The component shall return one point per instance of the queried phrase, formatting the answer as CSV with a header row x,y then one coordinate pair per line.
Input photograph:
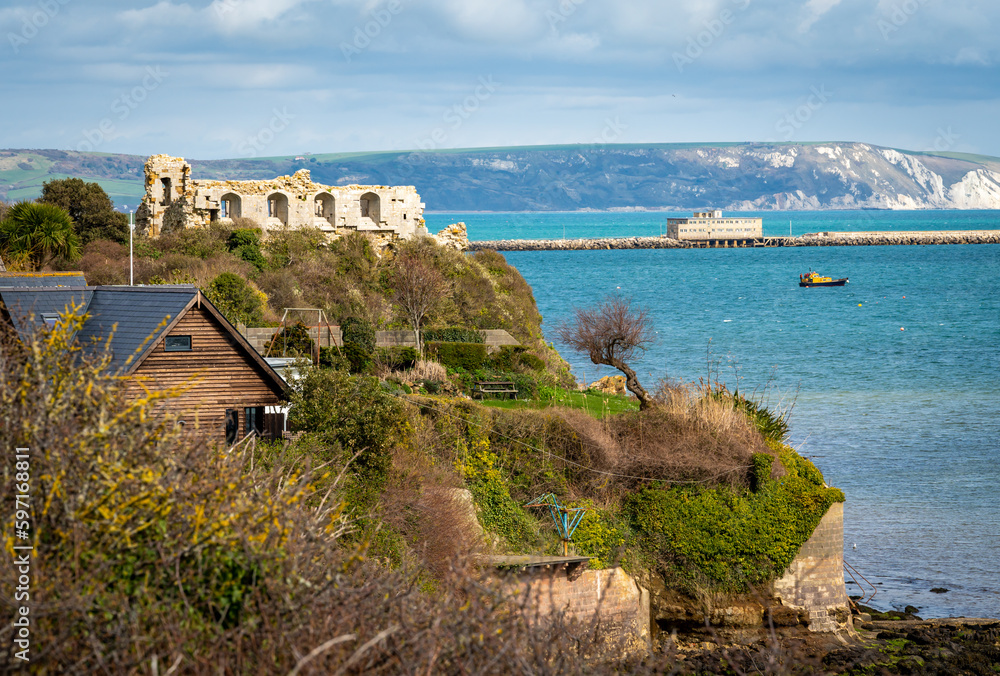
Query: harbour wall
x,y
812,239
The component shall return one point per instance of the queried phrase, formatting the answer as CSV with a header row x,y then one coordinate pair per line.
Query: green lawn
x,y
591,401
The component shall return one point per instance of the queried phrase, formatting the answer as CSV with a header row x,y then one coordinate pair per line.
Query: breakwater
x,y
885,238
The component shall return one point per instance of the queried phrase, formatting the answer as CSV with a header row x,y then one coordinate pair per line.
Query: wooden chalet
x,y
161,336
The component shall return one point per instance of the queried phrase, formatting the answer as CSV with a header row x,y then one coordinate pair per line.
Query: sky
x,y
253,78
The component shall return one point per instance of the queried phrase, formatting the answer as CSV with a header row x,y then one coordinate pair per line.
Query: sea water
x,y
895,378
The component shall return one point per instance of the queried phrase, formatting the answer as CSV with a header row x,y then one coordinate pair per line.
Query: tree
x,y
417,288
611,334
38,233
89,206
236,299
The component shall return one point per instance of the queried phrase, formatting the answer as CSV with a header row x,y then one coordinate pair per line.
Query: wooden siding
x,y
224,376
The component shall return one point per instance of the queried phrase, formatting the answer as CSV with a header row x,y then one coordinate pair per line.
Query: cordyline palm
x,y
39,232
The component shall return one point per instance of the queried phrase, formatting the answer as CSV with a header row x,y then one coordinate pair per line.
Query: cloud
x,y
815,9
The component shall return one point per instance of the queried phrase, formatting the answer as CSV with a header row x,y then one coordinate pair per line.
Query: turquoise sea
x,y
895,378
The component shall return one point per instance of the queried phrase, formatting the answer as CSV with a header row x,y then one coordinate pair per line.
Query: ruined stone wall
x,y
611,597
815,581
174,201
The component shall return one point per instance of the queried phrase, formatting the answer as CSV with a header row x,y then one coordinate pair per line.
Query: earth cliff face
x,y
747,176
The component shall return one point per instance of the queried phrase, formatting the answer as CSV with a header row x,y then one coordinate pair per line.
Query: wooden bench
x,y
484,387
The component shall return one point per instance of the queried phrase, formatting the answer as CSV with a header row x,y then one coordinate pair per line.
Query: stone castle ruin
x,y
174,201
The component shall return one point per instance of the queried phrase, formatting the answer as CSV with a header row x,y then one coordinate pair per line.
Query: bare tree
x,y
612,333
417,288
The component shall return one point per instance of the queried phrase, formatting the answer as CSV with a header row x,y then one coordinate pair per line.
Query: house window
x,y
50,318
177,344
254,420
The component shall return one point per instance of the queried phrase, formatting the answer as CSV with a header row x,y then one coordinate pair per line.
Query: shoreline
x,y
885,238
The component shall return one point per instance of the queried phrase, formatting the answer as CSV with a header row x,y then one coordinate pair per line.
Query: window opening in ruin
x,y
364,207
230,203
167,190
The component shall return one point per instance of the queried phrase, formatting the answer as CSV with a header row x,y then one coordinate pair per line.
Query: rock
x,y
610,385
454,236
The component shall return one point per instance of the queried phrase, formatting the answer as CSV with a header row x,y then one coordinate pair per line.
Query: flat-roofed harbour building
x,y
712,226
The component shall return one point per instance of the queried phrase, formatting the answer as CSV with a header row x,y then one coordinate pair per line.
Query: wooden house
x,y
160,337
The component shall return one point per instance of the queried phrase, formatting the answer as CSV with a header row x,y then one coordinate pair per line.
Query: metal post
x,y
131,230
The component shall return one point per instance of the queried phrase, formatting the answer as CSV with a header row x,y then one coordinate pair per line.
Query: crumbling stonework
x,y
175,201
454,236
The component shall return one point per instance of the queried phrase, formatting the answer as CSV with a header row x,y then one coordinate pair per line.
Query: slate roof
x,y
27,307
134,317
30,280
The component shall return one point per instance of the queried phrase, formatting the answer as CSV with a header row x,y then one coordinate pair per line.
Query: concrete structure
x,y
711,225
814,583
545,585
174,201
260,336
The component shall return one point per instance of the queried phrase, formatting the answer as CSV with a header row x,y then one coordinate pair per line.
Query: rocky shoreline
x,y
812,239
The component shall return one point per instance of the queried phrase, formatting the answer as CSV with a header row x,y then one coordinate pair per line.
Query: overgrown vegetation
x,y
355,540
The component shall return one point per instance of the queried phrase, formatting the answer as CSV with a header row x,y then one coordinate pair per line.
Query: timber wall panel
x,y
220,375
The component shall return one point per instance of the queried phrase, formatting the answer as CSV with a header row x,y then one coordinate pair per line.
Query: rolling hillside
x,y
748,176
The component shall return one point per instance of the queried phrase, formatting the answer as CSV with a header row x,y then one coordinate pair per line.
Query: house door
x,y
232,425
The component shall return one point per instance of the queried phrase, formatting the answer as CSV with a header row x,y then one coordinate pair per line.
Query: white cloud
x,y
815,9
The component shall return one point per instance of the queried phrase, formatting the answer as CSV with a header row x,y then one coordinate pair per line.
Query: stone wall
x,y
815,239
258,337
175,201
610,597
815,581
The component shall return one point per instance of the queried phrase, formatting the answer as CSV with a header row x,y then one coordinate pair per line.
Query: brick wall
x,y
610,597
815,580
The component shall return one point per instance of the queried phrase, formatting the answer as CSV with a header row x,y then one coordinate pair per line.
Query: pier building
x,y
713,226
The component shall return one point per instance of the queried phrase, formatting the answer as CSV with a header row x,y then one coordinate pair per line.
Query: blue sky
x,y
241,78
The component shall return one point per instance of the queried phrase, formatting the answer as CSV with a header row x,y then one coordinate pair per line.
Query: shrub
x,y
735,540
236,299
293,340
359,359
357,417
532,362
397,358
506,358
201,243
333,358
245,243
465,356
453,335
360,332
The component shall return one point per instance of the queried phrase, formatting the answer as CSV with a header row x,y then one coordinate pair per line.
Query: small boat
x,y
814,279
